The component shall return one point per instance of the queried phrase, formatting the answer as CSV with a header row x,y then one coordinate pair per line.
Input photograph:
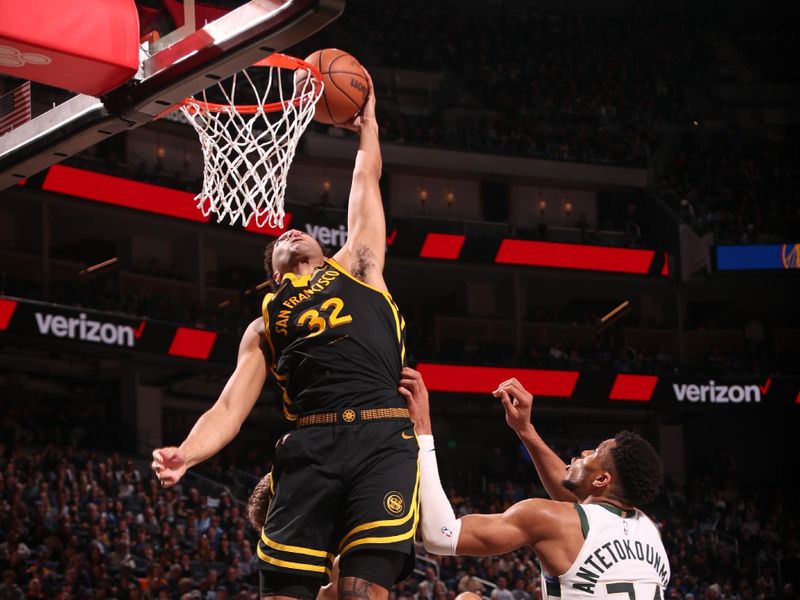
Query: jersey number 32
x,y
329,315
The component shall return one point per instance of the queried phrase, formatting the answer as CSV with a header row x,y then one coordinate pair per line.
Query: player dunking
x,y
594,543
345,482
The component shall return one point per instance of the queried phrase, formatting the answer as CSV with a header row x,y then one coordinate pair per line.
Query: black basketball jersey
x,y
335,342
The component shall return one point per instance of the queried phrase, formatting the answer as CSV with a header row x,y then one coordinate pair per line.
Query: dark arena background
x,y
600,199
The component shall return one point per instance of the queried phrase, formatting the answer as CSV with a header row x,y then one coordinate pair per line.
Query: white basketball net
x,y
248,149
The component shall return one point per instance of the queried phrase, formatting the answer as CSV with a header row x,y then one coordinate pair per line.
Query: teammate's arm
x,y
517,402
364,252
219,424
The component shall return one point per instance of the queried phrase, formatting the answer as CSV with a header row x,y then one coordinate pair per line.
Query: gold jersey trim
x,y
287,564
295,549
297,280
265,315
383,540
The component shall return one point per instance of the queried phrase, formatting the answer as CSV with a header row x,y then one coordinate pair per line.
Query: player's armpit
x,y
524,524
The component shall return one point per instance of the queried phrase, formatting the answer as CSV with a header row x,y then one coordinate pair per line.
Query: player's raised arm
x,y
526,523
517,402
365,250
219,424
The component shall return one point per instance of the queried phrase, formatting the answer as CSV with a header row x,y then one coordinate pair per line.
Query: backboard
x,y
180,65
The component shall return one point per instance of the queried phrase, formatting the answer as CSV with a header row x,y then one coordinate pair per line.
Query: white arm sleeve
x,y
440,528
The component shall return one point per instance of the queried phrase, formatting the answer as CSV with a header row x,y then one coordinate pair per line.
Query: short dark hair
x,y
638,468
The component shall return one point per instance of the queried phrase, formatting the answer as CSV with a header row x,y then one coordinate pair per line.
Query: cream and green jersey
x,y
622,558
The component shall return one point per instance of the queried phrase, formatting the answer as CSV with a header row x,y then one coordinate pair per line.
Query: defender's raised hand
x,y
517,402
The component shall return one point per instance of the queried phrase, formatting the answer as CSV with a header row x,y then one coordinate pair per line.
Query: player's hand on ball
x,y
169,465
367,114
413,389
517,402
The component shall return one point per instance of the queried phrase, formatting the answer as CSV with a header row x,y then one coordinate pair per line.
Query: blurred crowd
x,y
75,524
560,85
570,85
741,188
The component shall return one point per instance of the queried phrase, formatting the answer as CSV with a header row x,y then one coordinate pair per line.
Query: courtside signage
x,y
104,332
328,236
594,388
87,330
580,256
758,257
717,393
37,320
332,232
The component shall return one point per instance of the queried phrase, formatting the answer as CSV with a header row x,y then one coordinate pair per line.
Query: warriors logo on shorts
x,y
394,503
349,415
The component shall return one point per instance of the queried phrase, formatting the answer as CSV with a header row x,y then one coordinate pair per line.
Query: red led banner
x,y
638,388
7,308
484,380
136,195
266,229
442,245
574,256
192,343
122,192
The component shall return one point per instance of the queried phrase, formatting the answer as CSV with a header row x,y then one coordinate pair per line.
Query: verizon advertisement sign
x,y
53,323
329,236
39,323
718,393
88,330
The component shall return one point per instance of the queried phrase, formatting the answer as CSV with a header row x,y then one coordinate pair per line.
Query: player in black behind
x,y
346,480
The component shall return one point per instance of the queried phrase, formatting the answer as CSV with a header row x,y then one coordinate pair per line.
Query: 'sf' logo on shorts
x,y
393,503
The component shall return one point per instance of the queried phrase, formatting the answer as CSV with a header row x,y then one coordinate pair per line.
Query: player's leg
x,y
293,550
381,509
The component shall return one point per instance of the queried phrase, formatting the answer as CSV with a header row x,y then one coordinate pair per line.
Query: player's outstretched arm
x,y
365,250
526,523
517,402
219,424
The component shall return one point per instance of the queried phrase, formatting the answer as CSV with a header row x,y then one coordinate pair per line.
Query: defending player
x,y
600,547
345,482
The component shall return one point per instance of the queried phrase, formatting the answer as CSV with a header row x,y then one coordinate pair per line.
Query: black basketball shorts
x,y
341,488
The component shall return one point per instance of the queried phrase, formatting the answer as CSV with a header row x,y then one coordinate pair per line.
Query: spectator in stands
x,y
9,590
501,592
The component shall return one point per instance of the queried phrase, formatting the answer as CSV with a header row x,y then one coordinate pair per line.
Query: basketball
x,y
346,86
